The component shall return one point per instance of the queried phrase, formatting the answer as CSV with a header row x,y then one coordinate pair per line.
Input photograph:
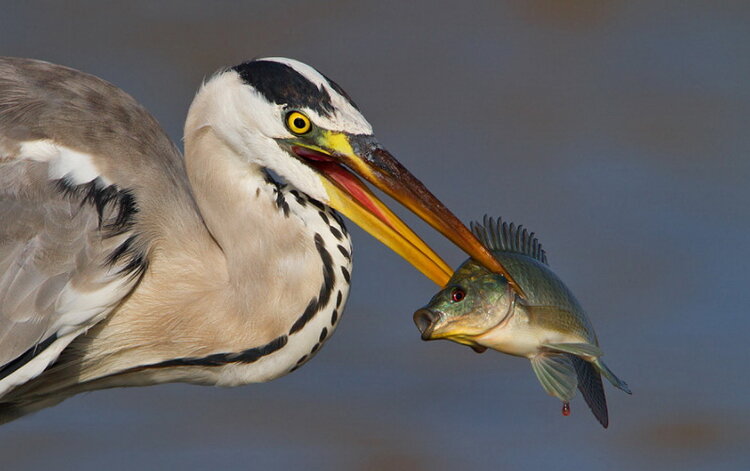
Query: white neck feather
x,y
269,257
273,250
249,125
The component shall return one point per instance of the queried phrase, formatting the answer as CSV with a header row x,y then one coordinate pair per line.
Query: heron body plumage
x,y
213,317
124,264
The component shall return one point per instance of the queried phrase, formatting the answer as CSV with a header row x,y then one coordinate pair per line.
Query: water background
x,y
618,131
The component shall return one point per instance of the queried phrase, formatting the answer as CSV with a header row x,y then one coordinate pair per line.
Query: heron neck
x,y
258,240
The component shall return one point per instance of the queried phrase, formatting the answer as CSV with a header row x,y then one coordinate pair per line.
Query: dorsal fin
x,y
504,237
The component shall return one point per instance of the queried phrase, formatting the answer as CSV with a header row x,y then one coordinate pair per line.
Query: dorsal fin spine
x,y
502,236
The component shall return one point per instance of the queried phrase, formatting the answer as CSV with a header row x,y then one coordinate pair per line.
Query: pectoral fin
x,y
556,373
585,350
590,385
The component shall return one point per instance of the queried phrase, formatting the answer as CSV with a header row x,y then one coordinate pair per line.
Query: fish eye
x,y
457,295
298,123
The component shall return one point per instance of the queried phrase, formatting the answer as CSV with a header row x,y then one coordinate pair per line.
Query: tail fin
x,y
590,385
617,382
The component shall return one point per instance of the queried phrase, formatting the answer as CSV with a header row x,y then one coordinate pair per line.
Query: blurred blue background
x,y
616,130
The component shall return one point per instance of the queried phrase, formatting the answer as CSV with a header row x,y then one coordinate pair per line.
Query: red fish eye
x,y
458,295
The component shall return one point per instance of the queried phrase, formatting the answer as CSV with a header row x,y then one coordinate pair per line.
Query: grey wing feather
x,y
68,249
56,276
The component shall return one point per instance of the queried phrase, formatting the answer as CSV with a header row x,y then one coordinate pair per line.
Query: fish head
x,y
474,301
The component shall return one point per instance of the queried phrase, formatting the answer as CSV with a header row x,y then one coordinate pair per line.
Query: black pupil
x,y
458,295
299,123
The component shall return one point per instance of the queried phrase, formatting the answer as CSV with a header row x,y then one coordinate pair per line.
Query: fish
x,y
548,326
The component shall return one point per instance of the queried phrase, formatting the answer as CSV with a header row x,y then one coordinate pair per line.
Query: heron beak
x,y
348,195
365,157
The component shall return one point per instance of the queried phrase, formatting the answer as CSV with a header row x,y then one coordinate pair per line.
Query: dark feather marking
x,y
13,365
251,355
136,266
324,217
334,316
344,252
124,208
340,220
283,85
315,348
278,189
336,233
329,278
100,196
310,311
136,260
281,200
347,276
120,251
281,203
300,199
299,363
339,298
323,334
317,204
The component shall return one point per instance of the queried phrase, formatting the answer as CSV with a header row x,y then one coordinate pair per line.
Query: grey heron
x,y
124,264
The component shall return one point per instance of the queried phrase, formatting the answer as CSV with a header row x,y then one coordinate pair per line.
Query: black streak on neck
x,y
278,190
329,278
250,355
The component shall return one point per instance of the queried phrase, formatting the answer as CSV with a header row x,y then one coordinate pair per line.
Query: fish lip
x,y
425,320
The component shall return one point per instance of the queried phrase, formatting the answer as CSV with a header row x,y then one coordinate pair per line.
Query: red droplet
x,y
566,409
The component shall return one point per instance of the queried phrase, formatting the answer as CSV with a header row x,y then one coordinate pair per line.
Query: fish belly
x,y
522,342
523,338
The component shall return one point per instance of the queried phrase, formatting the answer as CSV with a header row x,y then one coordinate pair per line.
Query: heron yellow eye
x,y
298,123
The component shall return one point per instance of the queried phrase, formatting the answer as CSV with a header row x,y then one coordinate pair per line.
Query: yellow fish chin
x,y
456,336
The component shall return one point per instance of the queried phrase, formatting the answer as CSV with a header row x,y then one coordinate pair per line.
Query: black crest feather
x,y
281,84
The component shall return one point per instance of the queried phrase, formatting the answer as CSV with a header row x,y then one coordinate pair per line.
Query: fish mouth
x,y
425,320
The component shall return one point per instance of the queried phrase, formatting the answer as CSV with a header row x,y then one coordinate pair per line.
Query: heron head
x,y
286,116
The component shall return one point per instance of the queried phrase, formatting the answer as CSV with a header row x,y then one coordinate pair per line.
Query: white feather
x,y
249,125
76,308
39,363
301,343
77,167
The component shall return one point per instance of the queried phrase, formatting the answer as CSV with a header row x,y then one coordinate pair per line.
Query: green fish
x,y
478,308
